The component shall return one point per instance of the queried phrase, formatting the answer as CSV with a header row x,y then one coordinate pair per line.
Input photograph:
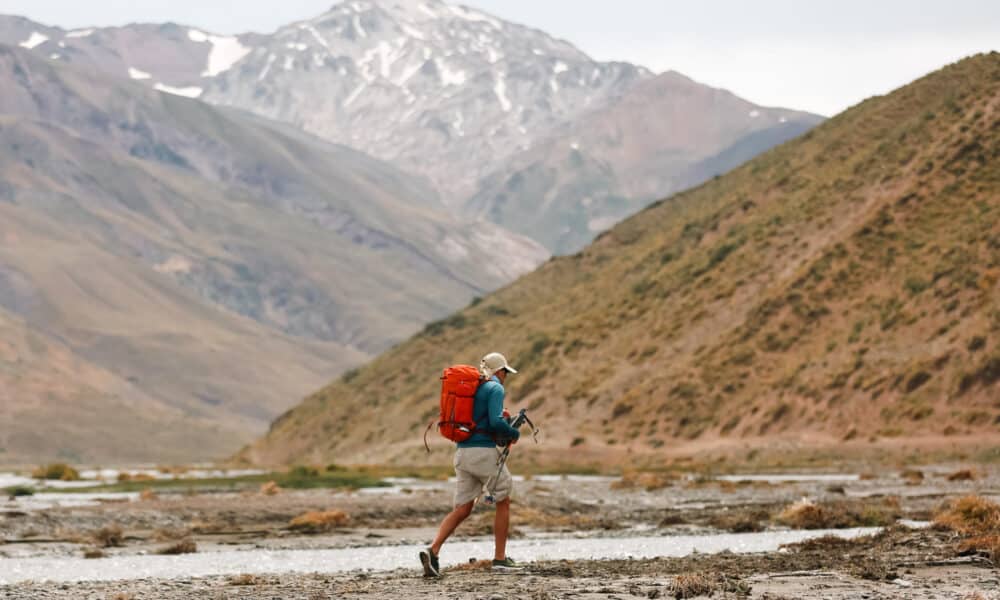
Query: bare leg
x,y
450,523
501,523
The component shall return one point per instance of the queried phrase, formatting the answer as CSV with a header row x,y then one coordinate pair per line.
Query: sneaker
x,y
506,564
430,562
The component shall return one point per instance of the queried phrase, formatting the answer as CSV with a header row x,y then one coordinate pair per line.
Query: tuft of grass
x,y
692,585
319,521
472,565
56,472
983,545
806,514
93,553
110,536
181,547
912,476
18,491
270,489
970,516
963,475
245,579
648,481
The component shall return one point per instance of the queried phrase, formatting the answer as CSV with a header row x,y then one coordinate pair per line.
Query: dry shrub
x,y
181,547
92,553
741,521
727,487
167,534
208,527
984,545
963,475
912,476
867,476
806,514
270,488
528,516
970,516
824,543
110,536
673,519
691,585
473,565
644,480
56,472
319,522
148,495
122,596
245,579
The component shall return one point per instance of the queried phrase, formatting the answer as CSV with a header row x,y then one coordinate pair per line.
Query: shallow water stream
x,y
388,558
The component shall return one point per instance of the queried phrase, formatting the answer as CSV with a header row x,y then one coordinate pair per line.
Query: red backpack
x,y
458,395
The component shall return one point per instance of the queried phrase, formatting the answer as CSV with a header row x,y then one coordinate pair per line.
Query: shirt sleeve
x,y
494,404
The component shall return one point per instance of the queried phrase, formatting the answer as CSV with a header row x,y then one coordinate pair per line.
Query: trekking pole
x,y
522,418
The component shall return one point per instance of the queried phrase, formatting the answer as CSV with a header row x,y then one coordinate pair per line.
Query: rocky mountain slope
x,y
664,135
202,259
840,289
504,120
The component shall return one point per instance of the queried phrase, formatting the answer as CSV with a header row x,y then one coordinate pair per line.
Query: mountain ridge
x,y
839,292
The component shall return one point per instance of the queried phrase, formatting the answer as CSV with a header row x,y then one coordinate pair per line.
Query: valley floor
x,y
904,561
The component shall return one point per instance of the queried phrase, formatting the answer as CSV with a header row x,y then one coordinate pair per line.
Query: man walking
x,y
476,467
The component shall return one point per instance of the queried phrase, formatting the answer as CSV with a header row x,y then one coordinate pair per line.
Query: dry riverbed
x,y
902,562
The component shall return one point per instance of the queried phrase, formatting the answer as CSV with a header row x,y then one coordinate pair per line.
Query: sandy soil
x,y
901,564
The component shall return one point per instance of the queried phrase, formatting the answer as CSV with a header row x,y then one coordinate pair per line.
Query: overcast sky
x,y
818,55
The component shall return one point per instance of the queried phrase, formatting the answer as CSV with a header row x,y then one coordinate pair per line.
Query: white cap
x,y
493,362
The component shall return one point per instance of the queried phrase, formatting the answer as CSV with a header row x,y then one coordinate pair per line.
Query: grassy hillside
x,y
838,290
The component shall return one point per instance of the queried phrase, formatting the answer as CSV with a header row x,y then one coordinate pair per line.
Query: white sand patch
x,y
187,92
35,39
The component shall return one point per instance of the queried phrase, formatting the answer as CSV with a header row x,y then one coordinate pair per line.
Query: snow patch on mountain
x,y
80,33
226,51
500,89
187,92
134,73
35,39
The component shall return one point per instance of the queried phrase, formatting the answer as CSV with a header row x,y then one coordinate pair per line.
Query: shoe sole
x,y
425,560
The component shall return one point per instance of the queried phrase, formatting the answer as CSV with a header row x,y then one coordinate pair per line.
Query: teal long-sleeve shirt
x,y
487,412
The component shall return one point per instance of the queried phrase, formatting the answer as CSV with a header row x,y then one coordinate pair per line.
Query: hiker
x,y
476,466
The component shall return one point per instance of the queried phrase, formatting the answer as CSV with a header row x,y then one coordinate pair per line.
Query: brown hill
x,y
842,286
202,260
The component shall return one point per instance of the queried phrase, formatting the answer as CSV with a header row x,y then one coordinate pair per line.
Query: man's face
x,y
502,375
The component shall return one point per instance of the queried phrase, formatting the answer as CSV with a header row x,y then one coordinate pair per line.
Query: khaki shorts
x,y
476,468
